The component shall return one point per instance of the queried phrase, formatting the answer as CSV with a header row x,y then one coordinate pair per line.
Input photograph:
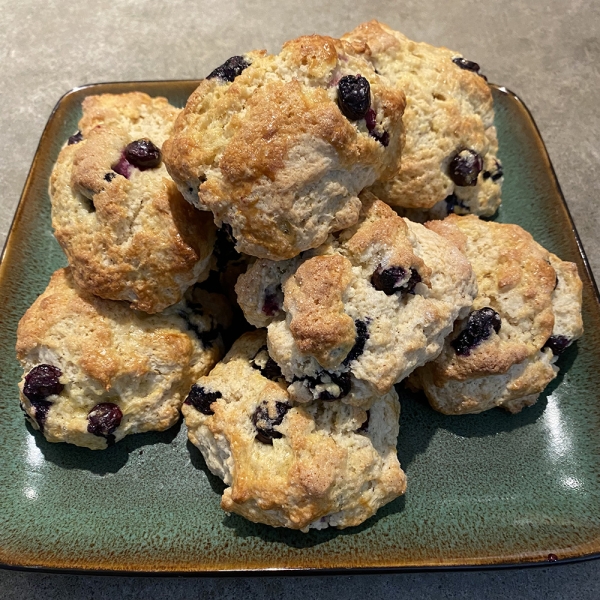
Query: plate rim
x,y
594,545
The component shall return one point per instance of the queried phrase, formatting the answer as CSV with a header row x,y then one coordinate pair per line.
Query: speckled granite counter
x,y
546,52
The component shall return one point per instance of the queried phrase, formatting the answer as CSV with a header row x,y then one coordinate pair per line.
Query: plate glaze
x,y
489,489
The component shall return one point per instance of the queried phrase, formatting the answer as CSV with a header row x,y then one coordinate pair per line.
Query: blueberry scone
x,y
355,316
527,311
308,466
126,230
96,370
449,161
279,146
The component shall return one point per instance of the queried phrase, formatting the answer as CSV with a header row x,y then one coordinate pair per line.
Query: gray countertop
x,y
548,52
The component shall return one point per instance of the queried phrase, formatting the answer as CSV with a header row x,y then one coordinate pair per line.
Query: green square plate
x,y
484,489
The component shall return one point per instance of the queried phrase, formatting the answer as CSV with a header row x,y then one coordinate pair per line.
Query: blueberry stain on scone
x,y
325,464
280,150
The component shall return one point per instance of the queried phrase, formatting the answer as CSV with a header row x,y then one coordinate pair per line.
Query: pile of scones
x,y
322,206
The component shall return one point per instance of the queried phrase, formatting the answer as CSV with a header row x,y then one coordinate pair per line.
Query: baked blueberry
x,y
103,419
266,365
230,69
42,381
142,154
362,335
465,167
201,399
467,65
395,279
266,417
330,386
557,343
354,96
479,328
75,138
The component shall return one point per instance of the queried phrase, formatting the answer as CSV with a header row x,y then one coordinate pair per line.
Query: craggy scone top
x,y
309,466
80,353
527,311
449,161
279,146
126,230
358,314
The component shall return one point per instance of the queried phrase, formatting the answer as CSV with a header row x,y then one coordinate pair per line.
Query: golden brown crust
x,y
448,109
265,151
322,470
314,300
132,239
515,278
108,352
395,330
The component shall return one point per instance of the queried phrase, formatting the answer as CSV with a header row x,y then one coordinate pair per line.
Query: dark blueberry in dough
x,y
103,419
123,167
75,138
201,399
388,280
266,417
383,137
495,175
273,301
143,154
41,412
334,386
467,65
411,284
465,167
365,426
452,201
557,343
354,96
362,335
110,176
394,279
479,328
266,365
230,69
42,381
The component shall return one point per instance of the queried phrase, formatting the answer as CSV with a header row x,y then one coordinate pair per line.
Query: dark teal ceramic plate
x,y
483,490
